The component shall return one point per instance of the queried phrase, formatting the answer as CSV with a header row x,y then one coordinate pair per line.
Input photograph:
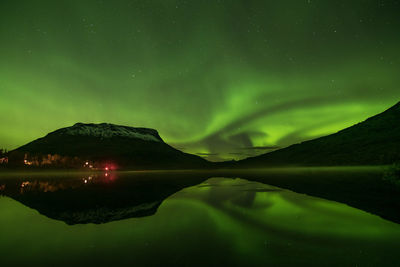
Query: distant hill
x,y
372,142
100,145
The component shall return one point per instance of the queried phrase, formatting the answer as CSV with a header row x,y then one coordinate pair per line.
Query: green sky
x,y
226,79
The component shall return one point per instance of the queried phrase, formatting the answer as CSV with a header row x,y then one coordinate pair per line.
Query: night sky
x,y
224,79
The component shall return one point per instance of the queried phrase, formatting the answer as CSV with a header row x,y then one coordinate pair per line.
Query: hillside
x,y
100,145
374,141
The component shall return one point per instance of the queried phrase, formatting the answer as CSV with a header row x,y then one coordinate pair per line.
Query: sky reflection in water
x,y
218,221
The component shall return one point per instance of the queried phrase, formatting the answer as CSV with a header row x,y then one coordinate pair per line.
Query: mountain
x,y
104,145
374,141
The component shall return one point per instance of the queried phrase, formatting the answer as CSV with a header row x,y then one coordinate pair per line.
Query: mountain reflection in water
x,y
97,197
195,220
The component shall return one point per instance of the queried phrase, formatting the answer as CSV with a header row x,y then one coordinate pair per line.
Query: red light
x,y
106,168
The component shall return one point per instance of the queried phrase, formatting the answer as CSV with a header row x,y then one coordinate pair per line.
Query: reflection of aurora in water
x,y
266,206
227,221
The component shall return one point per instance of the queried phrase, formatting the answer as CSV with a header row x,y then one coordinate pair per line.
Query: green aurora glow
x,y
219,78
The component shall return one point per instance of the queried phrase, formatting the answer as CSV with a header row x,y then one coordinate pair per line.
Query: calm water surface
x,y
121,220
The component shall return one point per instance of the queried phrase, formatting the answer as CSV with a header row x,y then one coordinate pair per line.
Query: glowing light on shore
x,y
24,184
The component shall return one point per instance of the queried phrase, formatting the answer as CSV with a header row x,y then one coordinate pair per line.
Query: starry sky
x,y
222,79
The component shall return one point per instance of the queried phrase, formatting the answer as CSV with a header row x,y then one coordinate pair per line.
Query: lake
x,y
182,219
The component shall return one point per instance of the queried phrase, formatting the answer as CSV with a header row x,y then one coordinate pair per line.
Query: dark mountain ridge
x,y
375,141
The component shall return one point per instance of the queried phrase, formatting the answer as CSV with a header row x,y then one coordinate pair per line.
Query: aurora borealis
x,y
224,79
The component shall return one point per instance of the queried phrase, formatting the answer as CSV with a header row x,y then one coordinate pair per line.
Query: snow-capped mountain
x,y
104,144
107,130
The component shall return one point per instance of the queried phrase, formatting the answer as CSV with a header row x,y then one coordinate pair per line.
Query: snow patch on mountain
x,y
105,130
